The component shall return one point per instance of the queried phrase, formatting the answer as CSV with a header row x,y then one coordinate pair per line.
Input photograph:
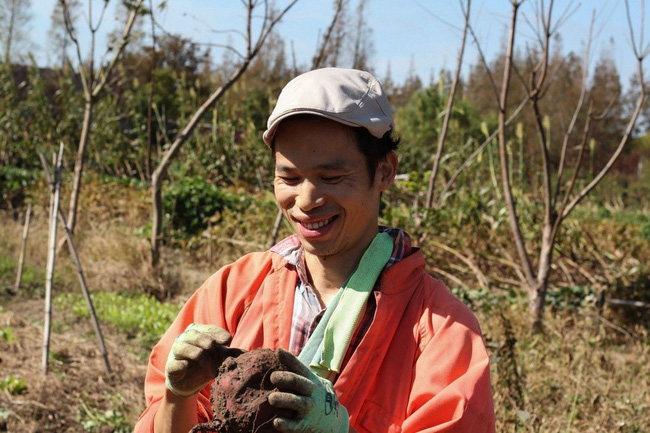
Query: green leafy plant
x,y
569,297
12,384
7,333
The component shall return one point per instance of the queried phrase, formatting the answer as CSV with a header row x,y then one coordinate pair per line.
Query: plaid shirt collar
x,y
307,310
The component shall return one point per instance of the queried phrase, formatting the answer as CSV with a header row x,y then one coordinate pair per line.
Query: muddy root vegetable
x,y
239,394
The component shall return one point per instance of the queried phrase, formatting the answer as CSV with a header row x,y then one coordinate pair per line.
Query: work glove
x,y
195,358
310,397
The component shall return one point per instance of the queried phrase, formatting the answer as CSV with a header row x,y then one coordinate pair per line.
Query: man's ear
x,y
386,171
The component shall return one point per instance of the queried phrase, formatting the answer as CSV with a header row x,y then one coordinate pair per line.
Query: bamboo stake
x,y
276,229
82,278
626,303
21,260
86,293
209,243
55,185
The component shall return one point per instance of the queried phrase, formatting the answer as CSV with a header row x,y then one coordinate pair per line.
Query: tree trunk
x,y
536,303
537,292
79,164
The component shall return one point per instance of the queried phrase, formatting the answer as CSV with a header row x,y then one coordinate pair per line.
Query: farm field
x,y
587,372
523,177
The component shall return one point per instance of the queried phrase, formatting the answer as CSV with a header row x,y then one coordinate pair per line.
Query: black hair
x,y
375,149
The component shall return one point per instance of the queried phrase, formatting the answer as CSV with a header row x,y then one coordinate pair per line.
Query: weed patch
x,y
94,420
13,385
141,317
7,333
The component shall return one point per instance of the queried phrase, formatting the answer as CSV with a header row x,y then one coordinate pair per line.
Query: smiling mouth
x,y
317,225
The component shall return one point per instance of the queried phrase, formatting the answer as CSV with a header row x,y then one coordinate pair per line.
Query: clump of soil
x,y
239,394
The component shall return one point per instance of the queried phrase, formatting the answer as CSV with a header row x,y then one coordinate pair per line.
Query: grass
x,y
94,419
582,375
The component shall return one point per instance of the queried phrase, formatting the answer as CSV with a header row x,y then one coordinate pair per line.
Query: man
x,y
350,301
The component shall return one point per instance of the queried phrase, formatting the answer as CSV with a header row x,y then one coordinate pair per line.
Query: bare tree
x,y
93,82
362,43
330,45
559,199
14,16
253,46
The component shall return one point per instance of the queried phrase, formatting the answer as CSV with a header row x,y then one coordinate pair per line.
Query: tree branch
x,y
450,105
161,170
69,28
105,72
569,131
469,159
576,168
619,149
507,189
317,61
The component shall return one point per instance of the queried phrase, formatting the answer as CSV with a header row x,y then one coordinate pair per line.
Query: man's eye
x,y
290,180
332,179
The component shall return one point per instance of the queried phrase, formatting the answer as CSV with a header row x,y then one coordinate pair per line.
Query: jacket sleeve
x,y
212,303
451,390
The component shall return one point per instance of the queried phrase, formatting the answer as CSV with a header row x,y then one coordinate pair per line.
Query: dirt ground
x,y
77,394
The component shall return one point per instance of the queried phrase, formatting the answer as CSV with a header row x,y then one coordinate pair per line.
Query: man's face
x,y
324,189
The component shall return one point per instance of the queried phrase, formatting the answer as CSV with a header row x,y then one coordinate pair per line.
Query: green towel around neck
x,y
326,348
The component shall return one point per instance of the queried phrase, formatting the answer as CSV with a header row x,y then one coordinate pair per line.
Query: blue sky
x,y
403,31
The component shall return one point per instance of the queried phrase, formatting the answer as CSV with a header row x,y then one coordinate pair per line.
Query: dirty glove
x,y
312,399
195,357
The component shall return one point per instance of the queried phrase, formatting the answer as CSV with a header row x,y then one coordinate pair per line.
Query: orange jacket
x,y
421,367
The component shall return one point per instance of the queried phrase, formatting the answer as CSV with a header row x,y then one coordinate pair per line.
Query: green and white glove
x,y
310,397
195,358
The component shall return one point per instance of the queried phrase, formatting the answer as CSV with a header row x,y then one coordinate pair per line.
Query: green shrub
x,y
14,183
191,201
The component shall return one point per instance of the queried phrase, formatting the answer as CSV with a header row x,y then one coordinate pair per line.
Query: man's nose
x,y
309,196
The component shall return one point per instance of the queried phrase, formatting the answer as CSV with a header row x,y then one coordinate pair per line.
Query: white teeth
x,y
317,225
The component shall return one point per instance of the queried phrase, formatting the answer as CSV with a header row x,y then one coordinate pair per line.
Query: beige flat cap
x,y
347,96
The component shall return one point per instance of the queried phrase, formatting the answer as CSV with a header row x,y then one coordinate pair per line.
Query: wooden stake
x,y
55,185
21,260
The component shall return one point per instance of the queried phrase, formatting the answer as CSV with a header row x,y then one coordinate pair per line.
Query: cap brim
x,y
269,134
